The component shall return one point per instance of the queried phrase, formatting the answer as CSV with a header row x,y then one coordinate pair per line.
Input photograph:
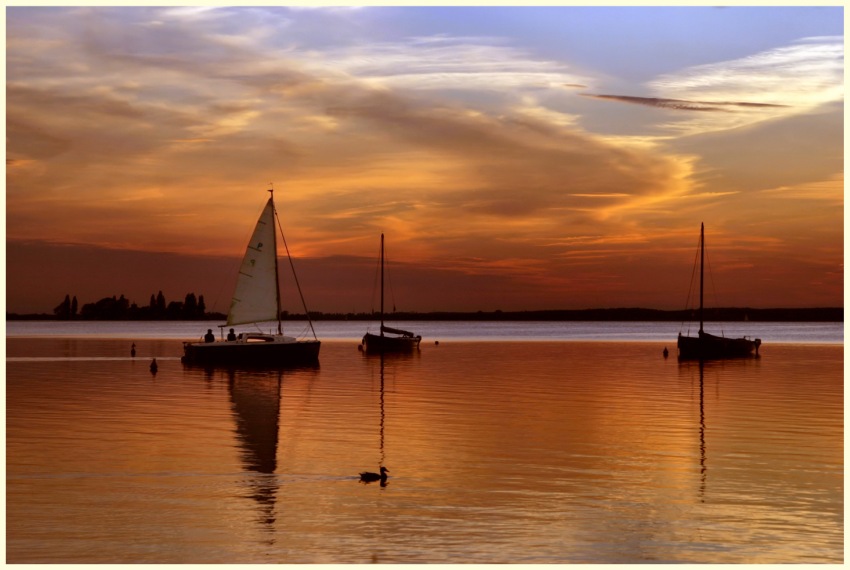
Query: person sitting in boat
x,y
209,337
231,335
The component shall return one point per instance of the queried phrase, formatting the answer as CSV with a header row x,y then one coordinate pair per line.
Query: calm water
x,y
770,333
520,452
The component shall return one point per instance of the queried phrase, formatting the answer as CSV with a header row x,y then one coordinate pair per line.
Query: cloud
x,y
146,129
369,137
682,105
785,81
478,64
778,83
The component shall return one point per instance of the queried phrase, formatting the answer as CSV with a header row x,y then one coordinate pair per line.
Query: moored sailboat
x,y
389,339
256,300
707,346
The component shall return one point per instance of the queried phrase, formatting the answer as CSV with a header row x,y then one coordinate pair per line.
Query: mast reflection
x,y
703,470
719,369
686,367
383,360
383,417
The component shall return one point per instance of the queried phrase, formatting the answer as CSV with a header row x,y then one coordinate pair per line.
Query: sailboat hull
x,y
382,344
709,347
268,351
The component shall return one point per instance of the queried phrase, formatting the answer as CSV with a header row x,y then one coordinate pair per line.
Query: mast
x,y
382,284
276,274
701,268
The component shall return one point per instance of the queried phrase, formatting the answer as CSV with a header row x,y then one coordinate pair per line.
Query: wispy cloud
x,y
480,65
781,82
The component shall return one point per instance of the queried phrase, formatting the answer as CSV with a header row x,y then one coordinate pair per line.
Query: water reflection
x,y
703,470
255,397
688,366
255,401
504,452
383,359
737,368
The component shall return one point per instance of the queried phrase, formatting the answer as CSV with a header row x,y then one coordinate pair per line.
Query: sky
x,y
517,158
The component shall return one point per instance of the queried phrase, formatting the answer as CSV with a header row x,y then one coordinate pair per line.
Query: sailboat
x,y
390,339
256,300
706,346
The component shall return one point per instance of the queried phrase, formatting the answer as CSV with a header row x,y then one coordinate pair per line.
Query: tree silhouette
x,y
63,309
190,306
121,308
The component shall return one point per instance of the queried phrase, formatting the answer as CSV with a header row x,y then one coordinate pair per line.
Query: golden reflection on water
x,y
498,452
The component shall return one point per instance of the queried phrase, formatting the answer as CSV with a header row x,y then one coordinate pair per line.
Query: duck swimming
x,y
368,476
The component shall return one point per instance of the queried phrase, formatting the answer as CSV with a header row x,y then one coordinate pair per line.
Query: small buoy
x,y
666,353
436,343
133,350
154,366
360,347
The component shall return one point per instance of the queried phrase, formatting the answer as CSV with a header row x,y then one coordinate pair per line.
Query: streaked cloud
x,y
682,105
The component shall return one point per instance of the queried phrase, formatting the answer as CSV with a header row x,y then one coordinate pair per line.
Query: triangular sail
x,y
256,296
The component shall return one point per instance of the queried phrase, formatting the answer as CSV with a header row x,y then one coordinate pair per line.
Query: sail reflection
x,y
255,401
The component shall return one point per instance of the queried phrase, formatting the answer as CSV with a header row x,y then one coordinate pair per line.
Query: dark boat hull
x,y
269,354
709,347
382,344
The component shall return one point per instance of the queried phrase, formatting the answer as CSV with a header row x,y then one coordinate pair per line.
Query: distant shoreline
x,y
818,314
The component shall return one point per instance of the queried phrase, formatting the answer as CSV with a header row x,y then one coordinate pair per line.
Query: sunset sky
x,y
515,158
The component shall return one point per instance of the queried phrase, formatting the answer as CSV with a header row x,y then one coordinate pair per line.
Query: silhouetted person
x,y
133,350
666,353
231,335
154,366
209,337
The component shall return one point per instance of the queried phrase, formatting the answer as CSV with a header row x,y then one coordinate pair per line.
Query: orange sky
x,y
515,158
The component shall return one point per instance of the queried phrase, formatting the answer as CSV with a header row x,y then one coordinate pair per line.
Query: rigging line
x,y
691,285
375,280
715,297
294,275
389,278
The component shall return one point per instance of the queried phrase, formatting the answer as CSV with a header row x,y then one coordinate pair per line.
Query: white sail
x,y
256,296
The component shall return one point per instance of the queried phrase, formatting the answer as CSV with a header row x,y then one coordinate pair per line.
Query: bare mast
x,y
701,271
382,284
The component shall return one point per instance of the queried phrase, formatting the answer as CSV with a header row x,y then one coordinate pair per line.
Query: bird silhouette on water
x,y
369,477
133,350
154,366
